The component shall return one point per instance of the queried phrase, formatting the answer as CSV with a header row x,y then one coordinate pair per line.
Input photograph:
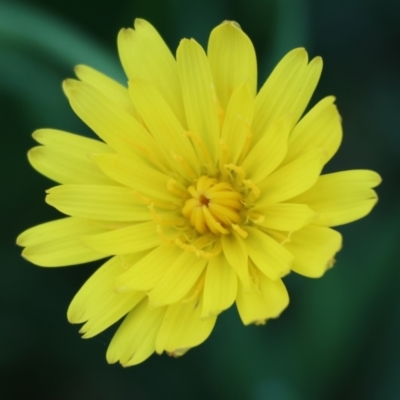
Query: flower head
x,y
202,192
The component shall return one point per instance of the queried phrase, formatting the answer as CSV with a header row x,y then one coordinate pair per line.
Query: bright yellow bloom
x,y
203,192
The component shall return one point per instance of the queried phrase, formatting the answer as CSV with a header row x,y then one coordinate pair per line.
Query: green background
x,y
339,337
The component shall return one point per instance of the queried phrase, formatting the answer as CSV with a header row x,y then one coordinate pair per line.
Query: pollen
x,y
213,206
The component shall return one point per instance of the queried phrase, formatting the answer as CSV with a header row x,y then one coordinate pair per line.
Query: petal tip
x,y
110,357
68,85
37,134
230,23
140,22
20,240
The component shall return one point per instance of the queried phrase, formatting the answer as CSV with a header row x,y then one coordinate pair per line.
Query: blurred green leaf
x,y
291,30
35,32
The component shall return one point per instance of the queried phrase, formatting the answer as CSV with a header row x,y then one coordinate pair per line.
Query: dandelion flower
x,y
202,192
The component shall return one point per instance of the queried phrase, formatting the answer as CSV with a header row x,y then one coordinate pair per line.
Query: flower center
x,y
213,207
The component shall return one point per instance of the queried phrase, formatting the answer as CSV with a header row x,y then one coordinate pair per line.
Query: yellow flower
x,y
203,192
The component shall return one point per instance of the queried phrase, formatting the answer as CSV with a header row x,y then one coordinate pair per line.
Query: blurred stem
x,y
291,31
36,32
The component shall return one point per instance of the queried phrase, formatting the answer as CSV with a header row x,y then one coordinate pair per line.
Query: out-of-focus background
x,y
339,338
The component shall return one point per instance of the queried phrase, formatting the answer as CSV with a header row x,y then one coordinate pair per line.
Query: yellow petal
x,y
220,287
198,92
266,300
126,240
287,90
237,122
314,248
319,128
58,243
135,339
147,272
270,257
64,157
183,328
98,304
145,55
269,152
162,122
142,179
232,60
120,130
58,140
292,179
108,203
342,197
57,229
286,216
179,278
235,252
107,86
